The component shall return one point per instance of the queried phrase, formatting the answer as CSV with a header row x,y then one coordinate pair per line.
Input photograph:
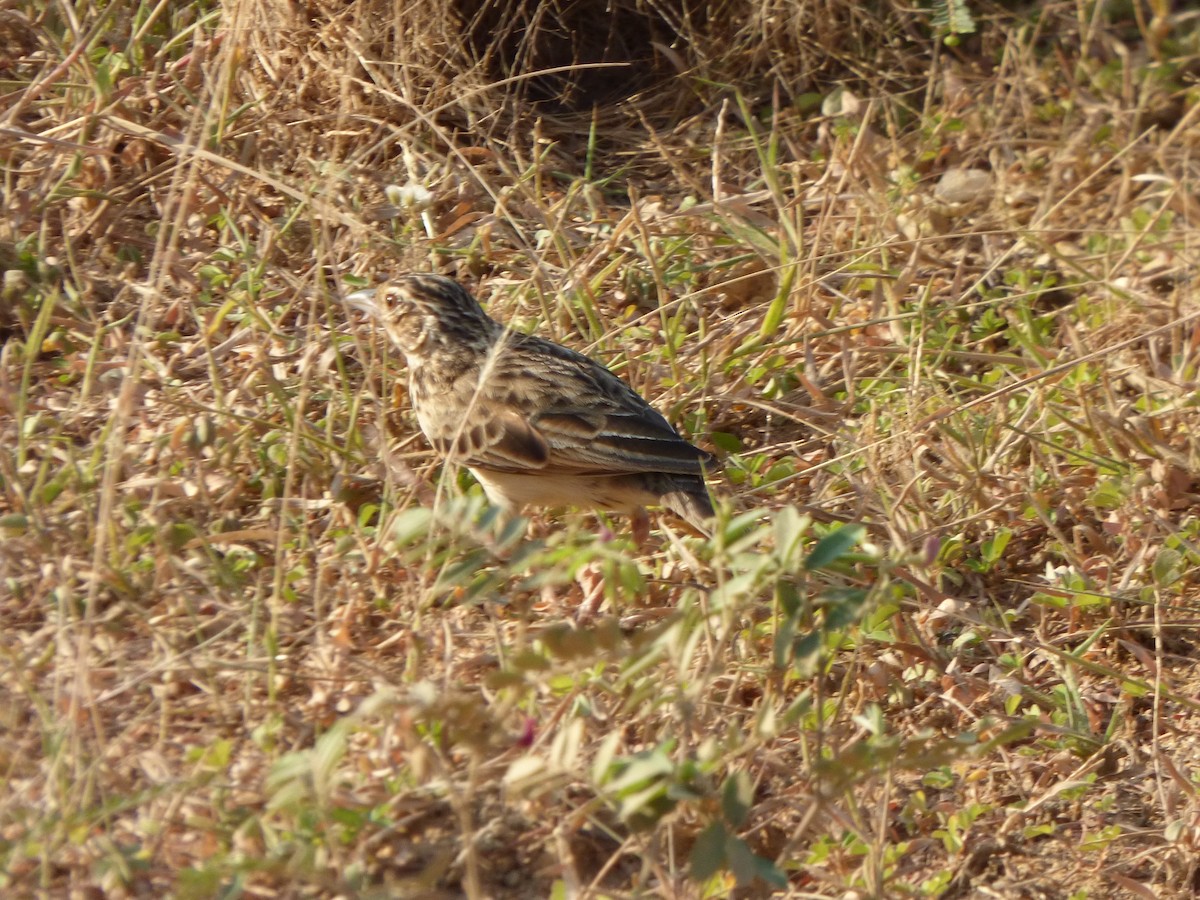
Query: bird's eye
x,y
397,305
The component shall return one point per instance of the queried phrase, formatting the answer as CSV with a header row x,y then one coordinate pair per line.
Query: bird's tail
x,y
690,501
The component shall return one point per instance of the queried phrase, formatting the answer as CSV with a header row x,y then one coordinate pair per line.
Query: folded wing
x,y
567,418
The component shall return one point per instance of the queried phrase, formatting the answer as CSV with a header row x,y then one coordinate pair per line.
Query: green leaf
x,y
843,606
769,872
791,601
604,762
806,654
775,313
722,440
741,860
643,809
14,522
993,549
831,547
708,853
1167,566
195,884
784,641
642,768
411,525
789,527
737,796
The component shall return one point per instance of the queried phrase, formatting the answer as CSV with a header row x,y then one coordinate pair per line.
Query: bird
x,y
536,423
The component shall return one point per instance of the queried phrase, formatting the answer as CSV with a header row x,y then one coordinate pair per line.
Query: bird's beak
x,y
363,301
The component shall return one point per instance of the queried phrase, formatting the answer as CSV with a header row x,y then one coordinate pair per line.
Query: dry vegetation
x,y
934,305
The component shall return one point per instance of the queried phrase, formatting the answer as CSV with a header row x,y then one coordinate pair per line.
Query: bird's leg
x,y
640,525
591,581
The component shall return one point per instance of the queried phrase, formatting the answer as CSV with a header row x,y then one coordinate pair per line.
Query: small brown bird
x,y
535,422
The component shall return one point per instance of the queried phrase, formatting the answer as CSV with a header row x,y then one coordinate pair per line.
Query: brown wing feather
x,y
516,441
565,415
495,439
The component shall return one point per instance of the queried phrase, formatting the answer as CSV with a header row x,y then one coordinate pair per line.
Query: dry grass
x,y
254,643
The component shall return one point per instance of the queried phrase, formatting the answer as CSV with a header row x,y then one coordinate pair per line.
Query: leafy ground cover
x,y
924,279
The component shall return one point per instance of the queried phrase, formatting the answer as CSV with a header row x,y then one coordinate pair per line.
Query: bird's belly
x,y
618,493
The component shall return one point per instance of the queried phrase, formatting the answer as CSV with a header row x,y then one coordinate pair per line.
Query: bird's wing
x,y
566,415
616,440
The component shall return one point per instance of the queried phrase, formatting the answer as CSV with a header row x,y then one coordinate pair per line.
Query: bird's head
x,y
425,315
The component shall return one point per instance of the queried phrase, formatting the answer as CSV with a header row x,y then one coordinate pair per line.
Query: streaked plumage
x,y
535,422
